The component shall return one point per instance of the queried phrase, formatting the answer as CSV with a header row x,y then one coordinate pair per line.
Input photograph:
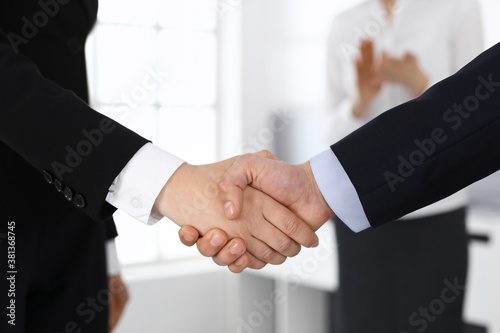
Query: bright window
x,y
153,68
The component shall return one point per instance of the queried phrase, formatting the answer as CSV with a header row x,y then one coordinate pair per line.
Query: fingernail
x,y
236,249
229,208
315,244
189,237
239,262
216,240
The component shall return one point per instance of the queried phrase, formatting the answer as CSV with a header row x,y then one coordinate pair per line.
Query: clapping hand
x,y
405,71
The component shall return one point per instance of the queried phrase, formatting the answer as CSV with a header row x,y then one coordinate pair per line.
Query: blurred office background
x,y
209,79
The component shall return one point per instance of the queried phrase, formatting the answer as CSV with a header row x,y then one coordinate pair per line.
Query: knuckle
x,y
251,262
246,159
285,245
223,185
268,255
291,227
265,153
243,159
247,156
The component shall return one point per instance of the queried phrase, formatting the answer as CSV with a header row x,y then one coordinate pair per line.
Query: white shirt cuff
x,y
137,186
338,190
112,263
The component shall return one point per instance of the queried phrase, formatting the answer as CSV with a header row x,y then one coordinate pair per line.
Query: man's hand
x,y
214,244
118,298
271,232
293,186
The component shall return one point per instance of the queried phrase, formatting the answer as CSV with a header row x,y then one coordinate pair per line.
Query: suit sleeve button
x,y
48,177
80,201
68,193
58,185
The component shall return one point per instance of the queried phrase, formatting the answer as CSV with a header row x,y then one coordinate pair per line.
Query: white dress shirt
x,y
112,262
136,188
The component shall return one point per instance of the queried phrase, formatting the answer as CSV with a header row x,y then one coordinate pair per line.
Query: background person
x,y
388,273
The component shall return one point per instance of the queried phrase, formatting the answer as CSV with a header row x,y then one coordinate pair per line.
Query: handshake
x,y
240,226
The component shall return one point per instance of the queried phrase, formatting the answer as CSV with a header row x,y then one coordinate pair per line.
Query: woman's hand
x,y
405,71
369,80
118,298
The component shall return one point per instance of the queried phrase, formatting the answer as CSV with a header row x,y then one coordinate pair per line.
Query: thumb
x,y
245,169
410,57
267,154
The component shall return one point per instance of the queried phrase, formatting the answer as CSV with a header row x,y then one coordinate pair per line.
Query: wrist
x,y
317,201
190,190
166,200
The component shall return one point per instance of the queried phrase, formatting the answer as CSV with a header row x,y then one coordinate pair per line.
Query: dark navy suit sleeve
x,y
427,149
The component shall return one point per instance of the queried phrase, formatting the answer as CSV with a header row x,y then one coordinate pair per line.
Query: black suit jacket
x,y
58,155
58,158
427,149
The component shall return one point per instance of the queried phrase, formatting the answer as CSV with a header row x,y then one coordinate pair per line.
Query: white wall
x,y
283,63
482,301
191,303
174,298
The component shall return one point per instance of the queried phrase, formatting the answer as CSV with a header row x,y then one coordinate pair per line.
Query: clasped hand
x,y
264,222
371,74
